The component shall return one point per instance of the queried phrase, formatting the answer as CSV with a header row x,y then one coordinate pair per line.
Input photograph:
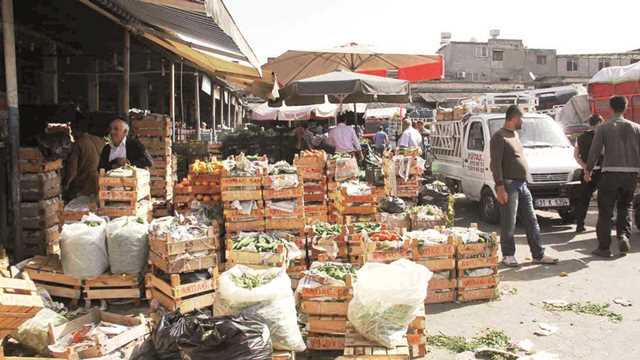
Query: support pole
x,y
93,89
50,75
213,113
229,108
172,102
11,77
197,106
126,72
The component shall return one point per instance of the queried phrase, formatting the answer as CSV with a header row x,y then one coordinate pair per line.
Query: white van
x,y
461,152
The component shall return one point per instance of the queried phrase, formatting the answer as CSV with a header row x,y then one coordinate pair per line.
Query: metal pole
x,y
125,73
172,102
197,106
213,113
229,108
11,77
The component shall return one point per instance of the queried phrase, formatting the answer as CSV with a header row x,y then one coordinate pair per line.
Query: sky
x,y
413,26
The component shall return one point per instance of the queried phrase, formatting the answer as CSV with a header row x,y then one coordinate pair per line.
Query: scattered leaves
x,y
489,338
586,308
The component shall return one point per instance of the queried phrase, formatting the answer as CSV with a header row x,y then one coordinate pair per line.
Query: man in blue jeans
x,y
509,168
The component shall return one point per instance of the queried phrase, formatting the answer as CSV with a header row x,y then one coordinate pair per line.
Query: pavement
x,y
579,277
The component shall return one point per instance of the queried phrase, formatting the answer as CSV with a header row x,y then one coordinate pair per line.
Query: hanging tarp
x,y
263,112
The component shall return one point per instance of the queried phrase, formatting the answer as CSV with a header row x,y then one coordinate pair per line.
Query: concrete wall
x,y
588,65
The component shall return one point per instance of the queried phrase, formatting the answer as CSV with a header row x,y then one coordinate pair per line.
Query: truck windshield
x,y
536,132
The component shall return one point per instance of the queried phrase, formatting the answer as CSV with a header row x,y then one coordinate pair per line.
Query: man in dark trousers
x,y
122,149
581,154
509,168
620,140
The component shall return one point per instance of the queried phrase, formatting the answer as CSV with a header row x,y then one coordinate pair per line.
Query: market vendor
x,y
344,138
81,177
123,149
410,137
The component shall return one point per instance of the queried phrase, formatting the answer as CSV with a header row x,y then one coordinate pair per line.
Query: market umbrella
x,y
345,87
295,64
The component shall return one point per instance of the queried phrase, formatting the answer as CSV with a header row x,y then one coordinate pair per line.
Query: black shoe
x,y
580,229
601,253
624,245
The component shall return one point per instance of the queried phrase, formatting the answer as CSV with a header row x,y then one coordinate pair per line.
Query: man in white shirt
x,y
344,138
123,149
410,138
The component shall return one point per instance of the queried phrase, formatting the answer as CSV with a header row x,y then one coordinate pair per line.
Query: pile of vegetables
x,y
384,235
366,227
206,167
256,242
248,281
282,167
427,212
426,237
324,229
243,165
336,271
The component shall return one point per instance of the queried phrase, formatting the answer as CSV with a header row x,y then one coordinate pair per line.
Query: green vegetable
x,y
326,230
587,308
366,227
261,242
335,271
495,339
92,223
247,281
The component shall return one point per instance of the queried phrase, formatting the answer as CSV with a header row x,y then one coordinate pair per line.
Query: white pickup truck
x,y
461,152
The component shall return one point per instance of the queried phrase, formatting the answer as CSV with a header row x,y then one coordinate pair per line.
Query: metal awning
x,y
192,35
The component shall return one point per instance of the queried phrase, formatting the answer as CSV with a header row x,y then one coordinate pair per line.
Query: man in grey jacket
x,y
619,138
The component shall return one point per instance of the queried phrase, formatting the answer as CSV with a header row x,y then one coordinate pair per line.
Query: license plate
x,y
549,203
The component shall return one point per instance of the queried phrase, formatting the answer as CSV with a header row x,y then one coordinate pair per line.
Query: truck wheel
x,y
489,211
568,216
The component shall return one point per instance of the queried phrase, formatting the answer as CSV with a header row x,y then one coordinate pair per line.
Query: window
x,y
498,55
541,59
572,65
476,137
481,51
633,61
603,63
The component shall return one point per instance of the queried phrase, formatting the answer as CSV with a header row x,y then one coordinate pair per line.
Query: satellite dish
x,y
532,76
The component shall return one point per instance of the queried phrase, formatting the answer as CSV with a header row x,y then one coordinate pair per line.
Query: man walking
x,y
509,168
581,154
620,140
380,140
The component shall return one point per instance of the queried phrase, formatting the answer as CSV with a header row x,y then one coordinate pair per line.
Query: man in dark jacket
x,y
581,154
619,138
121,149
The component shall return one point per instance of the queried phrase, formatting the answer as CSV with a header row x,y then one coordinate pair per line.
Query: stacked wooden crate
x,y
278,219
335,179
40,202
111,287
124,195
355,238
325,307
386,246
355,207
407,185
154,132
202,184
326,242
184,273
242,189
440,260
477,265
19,302
47,273
311,167
417,336
251,258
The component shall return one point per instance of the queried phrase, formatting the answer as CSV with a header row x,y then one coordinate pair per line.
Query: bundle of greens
x,y
366,227
282,167
427,212
248,281
323,229
336,271
256,242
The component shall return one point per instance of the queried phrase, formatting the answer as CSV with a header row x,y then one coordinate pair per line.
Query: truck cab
x,y
462,158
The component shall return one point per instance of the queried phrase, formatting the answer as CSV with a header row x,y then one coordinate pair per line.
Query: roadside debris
x,y
622,302
490,344
583,308
545,329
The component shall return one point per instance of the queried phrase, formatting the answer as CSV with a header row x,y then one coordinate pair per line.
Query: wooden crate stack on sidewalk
x,y
40,202
154,132
202,184
477,265
325,306
355,202
311,168
340,169
440,260
386,246
275,199
124,192
355,239
179,278
403,176
244,192
239,255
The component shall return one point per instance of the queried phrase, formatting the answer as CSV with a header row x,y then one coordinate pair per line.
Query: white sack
x,y
83,249
127,243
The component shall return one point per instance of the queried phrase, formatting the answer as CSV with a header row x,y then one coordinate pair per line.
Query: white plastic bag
x,y
34,333
274,301
346,168
83,248
386,298
127,244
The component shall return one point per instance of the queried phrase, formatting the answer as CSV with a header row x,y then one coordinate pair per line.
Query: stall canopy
x,y
263,112
346,87
193,35
297,64
385,113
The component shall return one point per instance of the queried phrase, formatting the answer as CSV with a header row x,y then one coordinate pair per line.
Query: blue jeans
x,y
520,202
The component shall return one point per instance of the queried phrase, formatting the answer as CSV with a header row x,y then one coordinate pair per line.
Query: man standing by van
x,y
509,168
620,140
587,188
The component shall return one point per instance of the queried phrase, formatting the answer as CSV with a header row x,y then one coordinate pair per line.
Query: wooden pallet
x,y
19,302
108,287
175,264
358,347
46,273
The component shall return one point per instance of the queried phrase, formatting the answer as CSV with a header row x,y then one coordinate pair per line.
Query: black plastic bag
x,y
392,205
166,334
241,337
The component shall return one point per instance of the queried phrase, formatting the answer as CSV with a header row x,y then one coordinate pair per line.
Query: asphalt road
x,y
578,277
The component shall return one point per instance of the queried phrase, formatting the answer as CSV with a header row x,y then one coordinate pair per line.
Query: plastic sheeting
x,y
617,74
575,112
263,112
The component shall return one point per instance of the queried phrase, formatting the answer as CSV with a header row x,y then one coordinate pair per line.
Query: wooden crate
x,y
46,273
139,181
283,355
138,329
285,223
270,213
240,226
36,187
325,342
254,259
324,308
175,264
107,287
40,222
423,224
165,246
186,297
48,236
38,166
19,302
477,256
358,347
373,254
327,325
241,188
231,214
289,193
